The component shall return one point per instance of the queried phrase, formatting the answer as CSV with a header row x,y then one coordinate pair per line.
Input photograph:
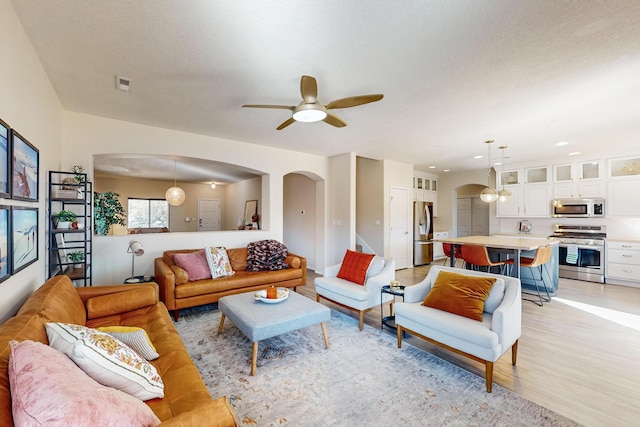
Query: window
x,y
147,213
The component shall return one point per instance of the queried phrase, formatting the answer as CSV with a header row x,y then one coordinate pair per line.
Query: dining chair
x,y
446,248
477,257
538,262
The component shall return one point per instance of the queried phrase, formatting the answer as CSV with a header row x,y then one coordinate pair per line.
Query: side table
x,y
139,279
390,320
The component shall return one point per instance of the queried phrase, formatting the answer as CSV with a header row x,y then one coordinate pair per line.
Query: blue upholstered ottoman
x,y
259,320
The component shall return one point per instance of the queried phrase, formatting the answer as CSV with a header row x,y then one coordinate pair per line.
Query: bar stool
x,y
478,256
446,248
540,260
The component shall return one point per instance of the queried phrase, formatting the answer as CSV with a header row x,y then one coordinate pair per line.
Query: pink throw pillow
x,y
47,388
195,264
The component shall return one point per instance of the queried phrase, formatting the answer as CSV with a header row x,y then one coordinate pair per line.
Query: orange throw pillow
x,y
460,294
354,266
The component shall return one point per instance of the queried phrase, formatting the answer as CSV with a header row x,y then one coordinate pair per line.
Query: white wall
x,y
370,203
30,105
108,136
342,206
299,215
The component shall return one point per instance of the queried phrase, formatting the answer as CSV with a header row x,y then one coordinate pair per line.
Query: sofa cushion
x,y
47,388
119,302
106,360
218,261
354,266
134,337
195,264
57,301
459,294
376,267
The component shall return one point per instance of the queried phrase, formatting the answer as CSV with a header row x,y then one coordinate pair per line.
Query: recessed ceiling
x,y
527,73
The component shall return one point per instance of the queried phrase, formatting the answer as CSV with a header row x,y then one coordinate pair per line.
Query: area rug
x,y
363,379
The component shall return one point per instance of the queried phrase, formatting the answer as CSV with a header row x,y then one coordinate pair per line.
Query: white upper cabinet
x,y
578,180
537,175
509,177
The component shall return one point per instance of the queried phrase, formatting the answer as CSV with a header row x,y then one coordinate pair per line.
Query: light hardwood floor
x,y
571,360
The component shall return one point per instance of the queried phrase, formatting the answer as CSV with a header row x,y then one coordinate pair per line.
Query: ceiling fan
x,y
310,110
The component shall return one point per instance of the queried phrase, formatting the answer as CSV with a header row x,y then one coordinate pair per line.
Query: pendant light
x,y
503,195
489,194
175,195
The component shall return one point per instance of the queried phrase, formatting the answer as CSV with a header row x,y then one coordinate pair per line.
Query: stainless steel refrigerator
x,y
422,233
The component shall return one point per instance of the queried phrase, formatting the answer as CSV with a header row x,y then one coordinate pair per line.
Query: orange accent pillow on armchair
x,y
460,294
354,266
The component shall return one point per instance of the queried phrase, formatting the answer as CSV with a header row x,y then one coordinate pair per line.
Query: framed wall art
x,y
5,243
25,163
24,237
4,159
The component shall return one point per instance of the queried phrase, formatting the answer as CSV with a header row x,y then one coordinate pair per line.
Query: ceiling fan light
x,y
504,195
489,195
309,113
175,196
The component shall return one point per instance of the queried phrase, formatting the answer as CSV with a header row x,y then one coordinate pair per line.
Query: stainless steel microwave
x,y
577,208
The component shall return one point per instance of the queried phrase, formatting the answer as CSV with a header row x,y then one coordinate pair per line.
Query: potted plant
x,y
76,258
65,218
107,211
79,171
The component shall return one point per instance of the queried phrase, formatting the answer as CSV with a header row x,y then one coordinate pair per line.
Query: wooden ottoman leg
x,y
254,358
221,324
324,332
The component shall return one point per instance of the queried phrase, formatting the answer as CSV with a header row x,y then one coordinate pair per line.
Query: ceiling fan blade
x,y
334,121
308,89
281,107
285,123
354,101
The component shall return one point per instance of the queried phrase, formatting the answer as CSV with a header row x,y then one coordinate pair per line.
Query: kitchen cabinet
x,y
622,263
528,200
425,189
622,199
579,180
537,175
70,192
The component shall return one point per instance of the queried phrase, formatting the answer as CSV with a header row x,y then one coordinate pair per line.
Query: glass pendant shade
x,y
175,196
504,195
489,195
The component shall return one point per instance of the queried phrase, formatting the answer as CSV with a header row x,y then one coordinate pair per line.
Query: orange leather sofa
x,y
186,401
177,292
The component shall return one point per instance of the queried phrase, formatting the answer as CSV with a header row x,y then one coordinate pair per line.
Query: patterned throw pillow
x,y
106,360
47,388
354,266
218,261
195,264
136,338
266,255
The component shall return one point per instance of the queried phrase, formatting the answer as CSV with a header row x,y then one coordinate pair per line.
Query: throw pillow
x,y
106,360
136,338
195,264
459,294
266,255
218,261
47,388
354,266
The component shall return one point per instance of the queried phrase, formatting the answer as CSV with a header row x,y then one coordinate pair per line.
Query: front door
x,y
209,215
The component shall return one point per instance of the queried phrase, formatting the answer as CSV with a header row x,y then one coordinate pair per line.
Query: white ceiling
x,y
453,73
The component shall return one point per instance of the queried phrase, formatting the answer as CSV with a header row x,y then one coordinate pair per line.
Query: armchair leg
x,y
489,375
361,319
400,333
514,352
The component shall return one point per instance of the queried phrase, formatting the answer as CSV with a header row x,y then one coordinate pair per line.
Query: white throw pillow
x,y
106,360
134,337
218,261
495,296
376,267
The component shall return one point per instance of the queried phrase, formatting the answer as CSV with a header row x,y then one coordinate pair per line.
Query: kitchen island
x,y
514,247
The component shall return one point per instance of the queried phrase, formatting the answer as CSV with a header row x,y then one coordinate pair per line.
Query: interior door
x,y
209,213
399,220
464,217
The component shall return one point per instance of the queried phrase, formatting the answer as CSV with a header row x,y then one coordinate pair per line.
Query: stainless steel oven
x,y
581,251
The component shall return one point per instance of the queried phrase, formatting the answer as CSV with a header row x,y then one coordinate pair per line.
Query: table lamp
x,y
135,249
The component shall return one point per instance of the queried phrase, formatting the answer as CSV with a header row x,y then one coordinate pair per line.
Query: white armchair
x,y
353,296
483,341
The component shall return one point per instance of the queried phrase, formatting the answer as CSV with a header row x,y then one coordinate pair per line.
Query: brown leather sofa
x,y
177,292
186,401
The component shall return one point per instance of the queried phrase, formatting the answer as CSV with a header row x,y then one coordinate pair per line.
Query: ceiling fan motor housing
x,y
309,112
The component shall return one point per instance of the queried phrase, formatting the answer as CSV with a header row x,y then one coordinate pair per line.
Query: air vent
x,y
123,83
